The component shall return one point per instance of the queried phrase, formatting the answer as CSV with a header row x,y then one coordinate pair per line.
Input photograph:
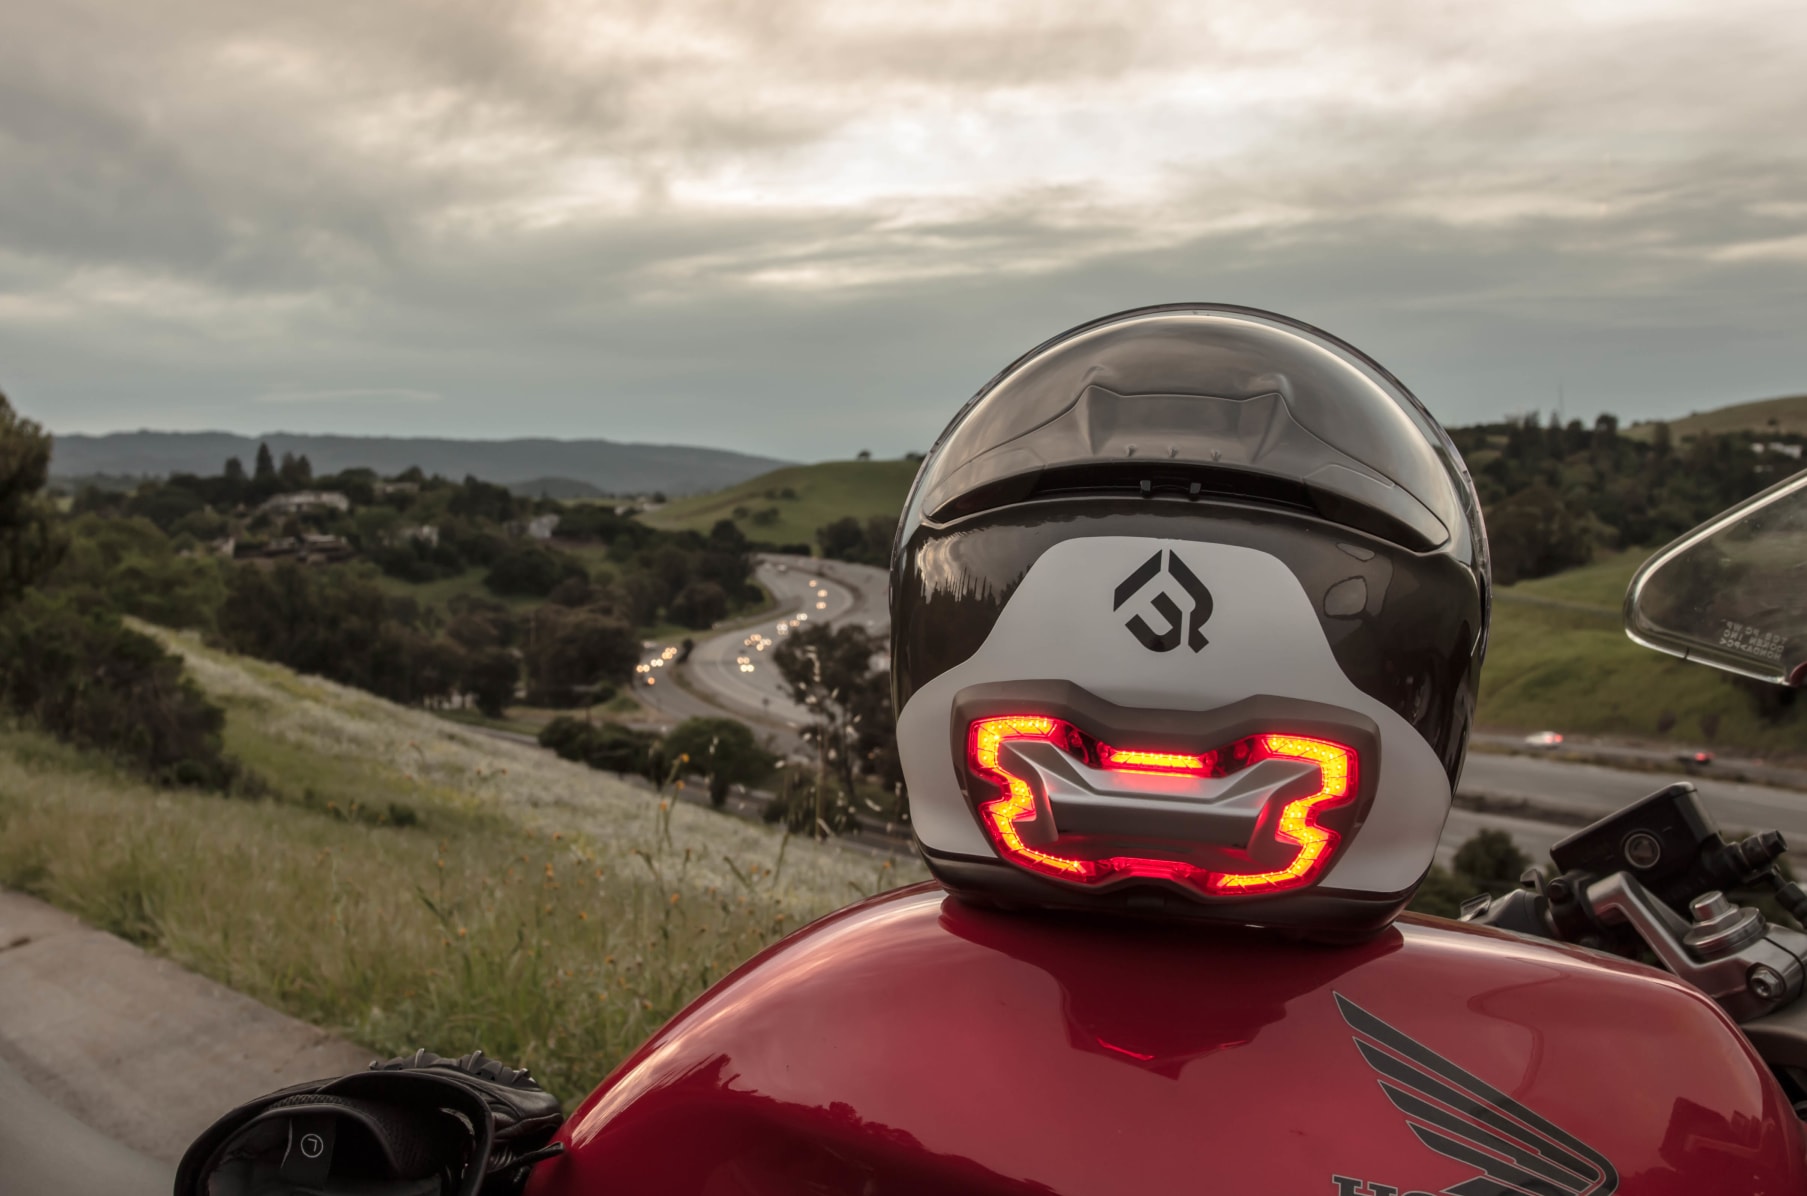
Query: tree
x,y
135,569
1535,533
863,455
30,545
722,750
480,624
266,466
234,471
337,625
842,540
571,653
295,472
531,570
699,605
477,499
829,671
848,539
490,677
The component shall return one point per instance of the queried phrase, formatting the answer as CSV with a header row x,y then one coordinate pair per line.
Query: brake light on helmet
x,y
1290,847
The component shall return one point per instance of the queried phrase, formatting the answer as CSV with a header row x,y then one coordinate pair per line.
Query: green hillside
x,y
1560,659
1784,416
787,505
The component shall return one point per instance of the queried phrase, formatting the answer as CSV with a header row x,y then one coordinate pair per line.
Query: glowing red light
x,y
1296,826
1167,762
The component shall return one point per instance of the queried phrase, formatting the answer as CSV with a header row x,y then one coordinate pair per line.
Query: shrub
x,y
610,747
563,735
1488,862
722,750
531,571
91,681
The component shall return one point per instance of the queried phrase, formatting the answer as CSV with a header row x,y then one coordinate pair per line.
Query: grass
x,y
1559,658
539,909
824,493
1788,412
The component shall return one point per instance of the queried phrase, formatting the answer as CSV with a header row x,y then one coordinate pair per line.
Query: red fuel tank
x,y
915,1043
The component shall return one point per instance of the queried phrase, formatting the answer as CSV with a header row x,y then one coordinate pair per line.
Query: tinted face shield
x,y
1206,401
1401,625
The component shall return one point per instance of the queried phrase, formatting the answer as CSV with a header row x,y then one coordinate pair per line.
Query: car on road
x,y
1544,739
1701,757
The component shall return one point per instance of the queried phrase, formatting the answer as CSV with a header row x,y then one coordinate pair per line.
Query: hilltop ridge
x,y
606,465
1785,415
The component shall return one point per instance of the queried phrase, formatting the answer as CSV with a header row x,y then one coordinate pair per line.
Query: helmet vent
x,y
1249,449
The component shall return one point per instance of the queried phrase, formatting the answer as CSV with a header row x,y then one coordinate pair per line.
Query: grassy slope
x,y
825,492
547,912
1560,659
1789,412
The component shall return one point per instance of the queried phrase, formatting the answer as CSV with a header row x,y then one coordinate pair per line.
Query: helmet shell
x,y
1181,511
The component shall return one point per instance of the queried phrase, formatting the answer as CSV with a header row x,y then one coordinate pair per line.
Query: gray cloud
x,y
803,228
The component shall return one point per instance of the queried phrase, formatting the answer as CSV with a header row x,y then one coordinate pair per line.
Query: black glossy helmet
x,y
1188,610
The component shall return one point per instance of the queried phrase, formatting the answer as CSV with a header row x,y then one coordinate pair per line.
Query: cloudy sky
x,y
805,227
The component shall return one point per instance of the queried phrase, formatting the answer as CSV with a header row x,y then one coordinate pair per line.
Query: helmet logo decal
x,y
1462,1117
1164,604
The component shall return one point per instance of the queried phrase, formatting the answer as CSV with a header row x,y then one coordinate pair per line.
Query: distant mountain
x,y
561,488
605,465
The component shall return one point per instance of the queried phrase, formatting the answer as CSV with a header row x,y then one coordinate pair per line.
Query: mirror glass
x,y
1732,593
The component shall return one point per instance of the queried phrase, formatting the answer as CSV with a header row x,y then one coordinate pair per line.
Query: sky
x,y
808,227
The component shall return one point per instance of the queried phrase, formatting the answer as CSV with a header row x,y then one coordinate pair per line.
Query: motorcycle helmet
x,y
1188,611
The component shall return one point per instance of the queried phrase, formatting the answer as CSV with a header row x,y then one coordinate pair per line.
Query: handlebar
x,y
1652,879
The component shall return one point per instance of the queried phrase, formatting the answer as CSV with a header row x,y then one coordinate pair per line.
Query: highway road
x,y
1636,755
734,668
1598,790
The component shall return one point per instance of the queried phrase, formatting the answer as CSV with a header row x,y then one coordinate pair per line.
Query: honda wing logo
x,y
1460,1116
1165,606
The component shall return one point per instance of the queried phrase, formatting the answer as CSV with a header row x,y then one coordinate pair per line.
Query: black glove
x,y
523,1115
419,1126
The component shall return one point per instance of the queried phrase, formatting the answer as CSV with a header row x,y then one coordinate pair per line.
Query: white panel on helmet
x,y
1262,637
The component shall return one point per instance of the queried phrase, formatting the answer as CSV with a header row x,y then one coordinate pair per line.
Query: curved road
x,y
732,672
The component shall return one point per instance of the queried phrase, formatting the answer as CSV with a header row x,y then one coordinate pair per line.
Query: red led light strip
x,y
1297,824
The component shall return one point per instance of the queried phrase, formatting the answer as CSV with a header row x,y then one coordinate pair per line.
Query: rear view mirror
x,y
1732,593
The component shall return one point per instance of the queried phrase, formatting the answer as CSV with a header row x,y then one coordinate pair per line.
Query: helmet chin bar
x,y
1240,820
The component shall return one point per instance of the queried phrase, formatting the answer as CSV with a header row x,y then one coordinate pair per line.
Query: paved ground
x,y
1599,790
132,1045
1664,756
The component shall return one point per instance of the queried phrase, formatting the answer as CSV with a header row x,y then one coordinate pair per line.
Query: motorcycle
x,y
1620,1023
